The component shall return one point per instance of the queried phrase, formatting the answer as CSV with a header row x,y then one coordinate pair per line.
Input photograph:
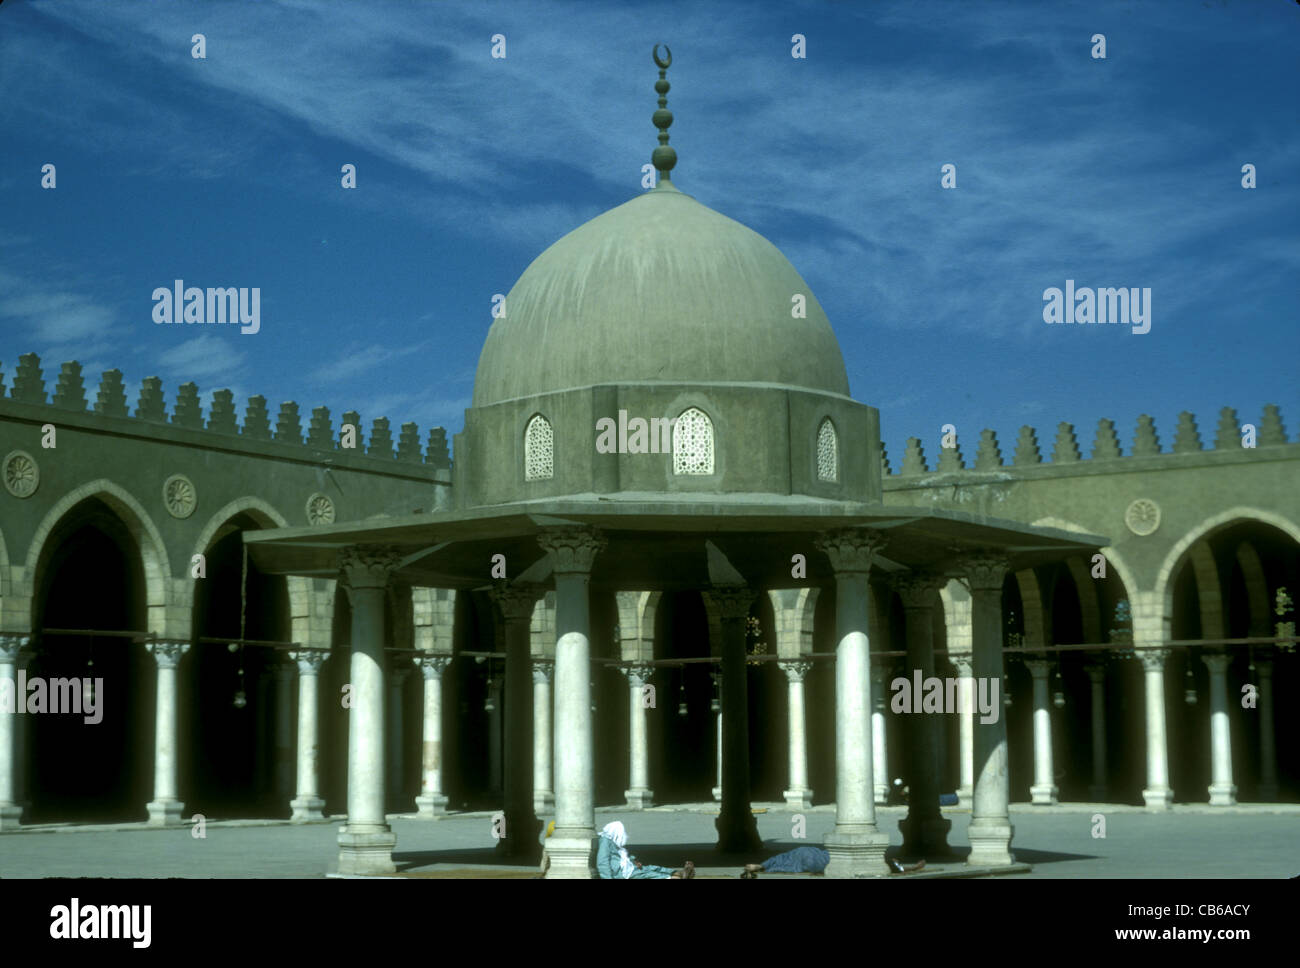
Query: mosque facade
x,y
304,623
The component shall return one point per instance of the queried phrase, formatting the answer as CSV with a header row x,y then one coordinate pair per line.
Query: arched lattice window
x,y
828,452
693,443
539,450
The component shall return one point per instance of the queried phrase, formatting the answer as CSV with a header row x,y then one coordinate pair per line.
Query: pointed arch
x,y
1252,574
539,449
693,445
149,544
828,452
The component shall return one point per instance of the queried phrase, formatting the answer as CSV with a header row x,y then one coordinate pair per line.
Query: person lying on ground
x,y
809,860
613,862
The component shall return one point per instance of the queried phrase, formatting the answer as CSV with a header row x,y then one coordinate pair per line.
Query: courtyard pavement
x,y
1250,841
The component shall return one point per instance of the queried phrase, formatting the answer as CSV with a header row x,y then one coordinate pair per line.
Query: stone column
x,y
737,828
715,707
11,810
924,829
515,603
395,767
432,802
799,796
1097,676
543,794
966,726
638,794
23,745
1223,792
1044,790
572,550
308,804
879,735
1157,795
990,829
165,808
366,841
856,845
1267,747
284,765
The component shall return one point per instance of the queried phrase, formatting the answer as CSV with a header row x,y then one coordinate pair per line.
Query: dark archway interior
x,y
91,577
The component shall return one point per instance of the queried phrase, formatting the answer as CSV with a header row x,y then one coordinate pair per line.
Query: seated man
x,y
613,862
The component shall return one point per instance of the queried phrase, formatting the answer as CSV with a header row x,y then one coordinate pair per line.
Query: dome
x,y
660,289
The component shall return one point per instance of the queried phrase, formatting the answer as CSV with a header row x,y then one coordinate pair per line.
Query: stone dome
x,y
660,289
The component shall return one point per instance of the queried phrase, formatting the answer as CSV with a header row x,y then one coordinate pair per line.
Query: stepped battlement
x,y
111,401
1269,432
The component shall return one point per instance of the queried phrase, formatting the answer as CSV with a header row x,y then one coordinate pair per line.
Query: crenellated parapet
x,y
1229,437
222,418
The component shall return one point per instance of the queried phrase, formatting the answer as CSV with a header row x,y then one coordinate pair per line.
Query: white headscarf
x,y
618,837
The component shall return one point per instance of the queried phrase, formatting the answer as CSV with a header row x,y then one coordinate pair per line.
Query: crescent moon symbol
x,y
664,64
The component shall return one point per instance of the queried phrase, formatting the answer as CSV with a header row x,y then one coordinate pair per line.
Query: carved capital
x,y
433,666
1096,671
309,660
850,550
572,549
543,671
638,673
1038,668
963,662
1216,662
917,588
367,566
11,645
985,571
516,601
167,654
1153,660
796,670
731,601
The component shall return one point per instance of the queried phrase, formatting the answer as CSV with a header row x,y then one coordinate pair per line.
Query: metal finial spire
x,y
663,157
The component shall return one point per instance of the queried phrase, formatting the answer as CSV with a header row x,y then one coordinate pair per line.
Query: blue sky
x,y
225,171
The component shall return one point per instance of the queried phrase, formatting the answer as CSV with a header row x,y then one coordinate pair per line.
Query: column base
x,y
1159,798
858,851
798,799
990,843
544,802
1097,794
429,807
930,841
306,809
1044,795
523,846
367,850
164,813
569,851
639,799
717,794
965,797
10,815
1223,794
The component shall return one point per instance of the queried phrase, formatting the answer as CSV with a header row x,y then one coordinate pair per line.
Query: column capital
x,y
543,671
1153,660
309,660
1217,662
432,665
1038,668
367,566
917,588
963,662
516,602
984,570
796,670
167,654
850,550
572,548
1095,669
732,601
11,645
638,673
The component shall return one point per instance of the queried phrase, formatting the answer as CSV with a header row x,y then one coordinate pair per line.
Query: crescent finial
x,y
664,64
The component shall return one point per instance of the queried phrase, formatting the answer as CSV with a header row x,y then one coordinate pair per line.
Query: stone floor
x,y
1250,841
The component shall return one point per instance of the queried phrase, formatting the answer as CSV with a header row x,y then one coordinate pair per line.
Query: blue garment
x,y
801,860
947,799
608,867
